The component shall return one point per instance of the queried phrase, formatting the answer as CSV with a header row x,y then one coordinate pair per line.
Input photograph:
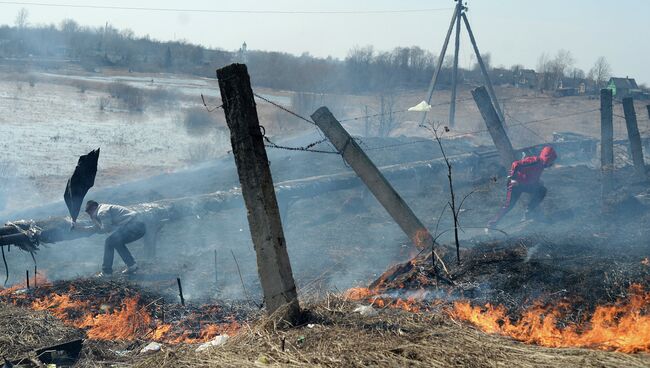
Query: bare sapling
x,y
452,202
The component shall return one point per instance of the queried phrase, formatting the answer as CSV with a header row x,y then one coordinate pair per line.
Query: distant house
x,y
571,87
525,78
501,76
623,87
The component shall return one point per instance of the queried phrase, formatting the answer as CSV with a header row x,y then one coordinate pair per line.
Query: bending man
x,y
124,227
525,178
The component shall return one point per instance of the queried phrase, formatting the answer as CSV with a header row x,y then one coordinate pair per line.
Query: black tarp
x,y
80,182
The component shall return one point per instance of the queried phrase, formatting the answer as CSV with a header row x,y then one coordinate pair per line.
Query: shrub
x,y
199,121
131,97
202,152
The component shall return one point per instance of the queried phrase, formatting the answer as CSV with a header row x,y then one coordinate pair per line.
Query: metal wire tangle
x,y
307,148
284,109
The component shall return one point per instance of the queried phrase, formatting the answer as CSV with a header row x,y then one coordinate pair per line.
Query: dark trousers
x,y
537,193
117,241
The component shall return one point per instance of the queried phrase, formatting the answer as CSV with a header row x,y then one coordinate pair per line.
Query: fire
x,y
422,238
374,297
623,326
359,293
646,261
40,280
127,322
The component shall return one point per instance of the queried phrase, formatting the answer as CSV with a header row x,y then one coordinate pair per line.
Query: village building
x,y
525,78
623,87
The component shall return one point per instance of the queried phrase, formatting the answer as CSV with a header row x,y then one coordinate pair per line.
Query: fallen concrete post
x,y
373,178
246,136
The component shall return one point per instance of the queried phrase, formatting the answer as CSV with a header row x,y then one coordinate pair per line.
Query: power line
x,y
224,11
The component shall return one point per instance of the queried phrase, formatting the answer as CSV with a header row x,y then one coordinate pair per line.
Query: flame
x,y
41,280
375,297
624,326
125,323
128,321
422,238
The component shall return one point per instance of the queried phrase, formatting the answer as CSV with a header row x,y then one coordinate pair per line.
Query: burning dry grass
x,y
624,326
119,311
335,336
22,330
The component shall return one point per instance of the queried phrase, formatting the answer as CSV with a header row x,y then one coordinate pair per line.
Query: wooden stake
x,y
498,134
180,291
27,277
635,138
372,177
162,311
264,221
35,275
216,276
606,142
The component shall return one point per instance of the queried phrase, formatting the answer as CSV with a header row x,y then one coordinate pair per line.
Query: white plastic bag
x,y
421,107
217,341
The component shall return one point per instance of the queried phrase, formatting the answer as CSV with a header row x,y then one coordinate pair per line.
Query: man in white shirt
x,y
124,227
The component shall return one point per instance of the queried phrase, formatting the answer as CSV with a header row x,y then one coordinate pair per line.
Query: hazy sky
x,y
512,31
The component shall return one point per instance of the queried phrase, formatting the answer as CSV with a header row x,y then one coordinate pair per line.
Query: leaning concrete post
x,y
257,189
372,177
606,141
635,137
494,125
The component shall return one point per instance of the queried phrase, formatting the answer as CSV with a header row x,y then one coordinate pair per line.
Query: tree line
x,y
363,70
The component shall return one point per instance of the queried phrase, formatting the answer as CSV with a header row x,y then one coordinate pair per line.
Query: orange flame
x,y
375,298
41,280
127,322
624,326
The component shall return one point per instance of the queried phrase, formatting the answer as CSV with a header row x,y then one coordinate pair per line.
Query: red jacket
x,y
529,169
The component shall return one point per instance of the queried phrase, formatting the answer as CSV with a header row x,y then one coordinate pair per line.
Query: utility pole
x,y
460,12
454,76
441,59
257,189
635,137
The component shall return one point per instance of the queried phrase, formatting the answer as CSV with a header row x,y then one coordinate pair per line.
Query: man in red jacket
x,y
524,178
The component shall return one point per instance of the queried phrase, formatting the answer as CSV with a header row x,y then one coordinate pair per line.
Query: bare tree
x,y
387,123
563,61
21,18
577,73
600,72
552,70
